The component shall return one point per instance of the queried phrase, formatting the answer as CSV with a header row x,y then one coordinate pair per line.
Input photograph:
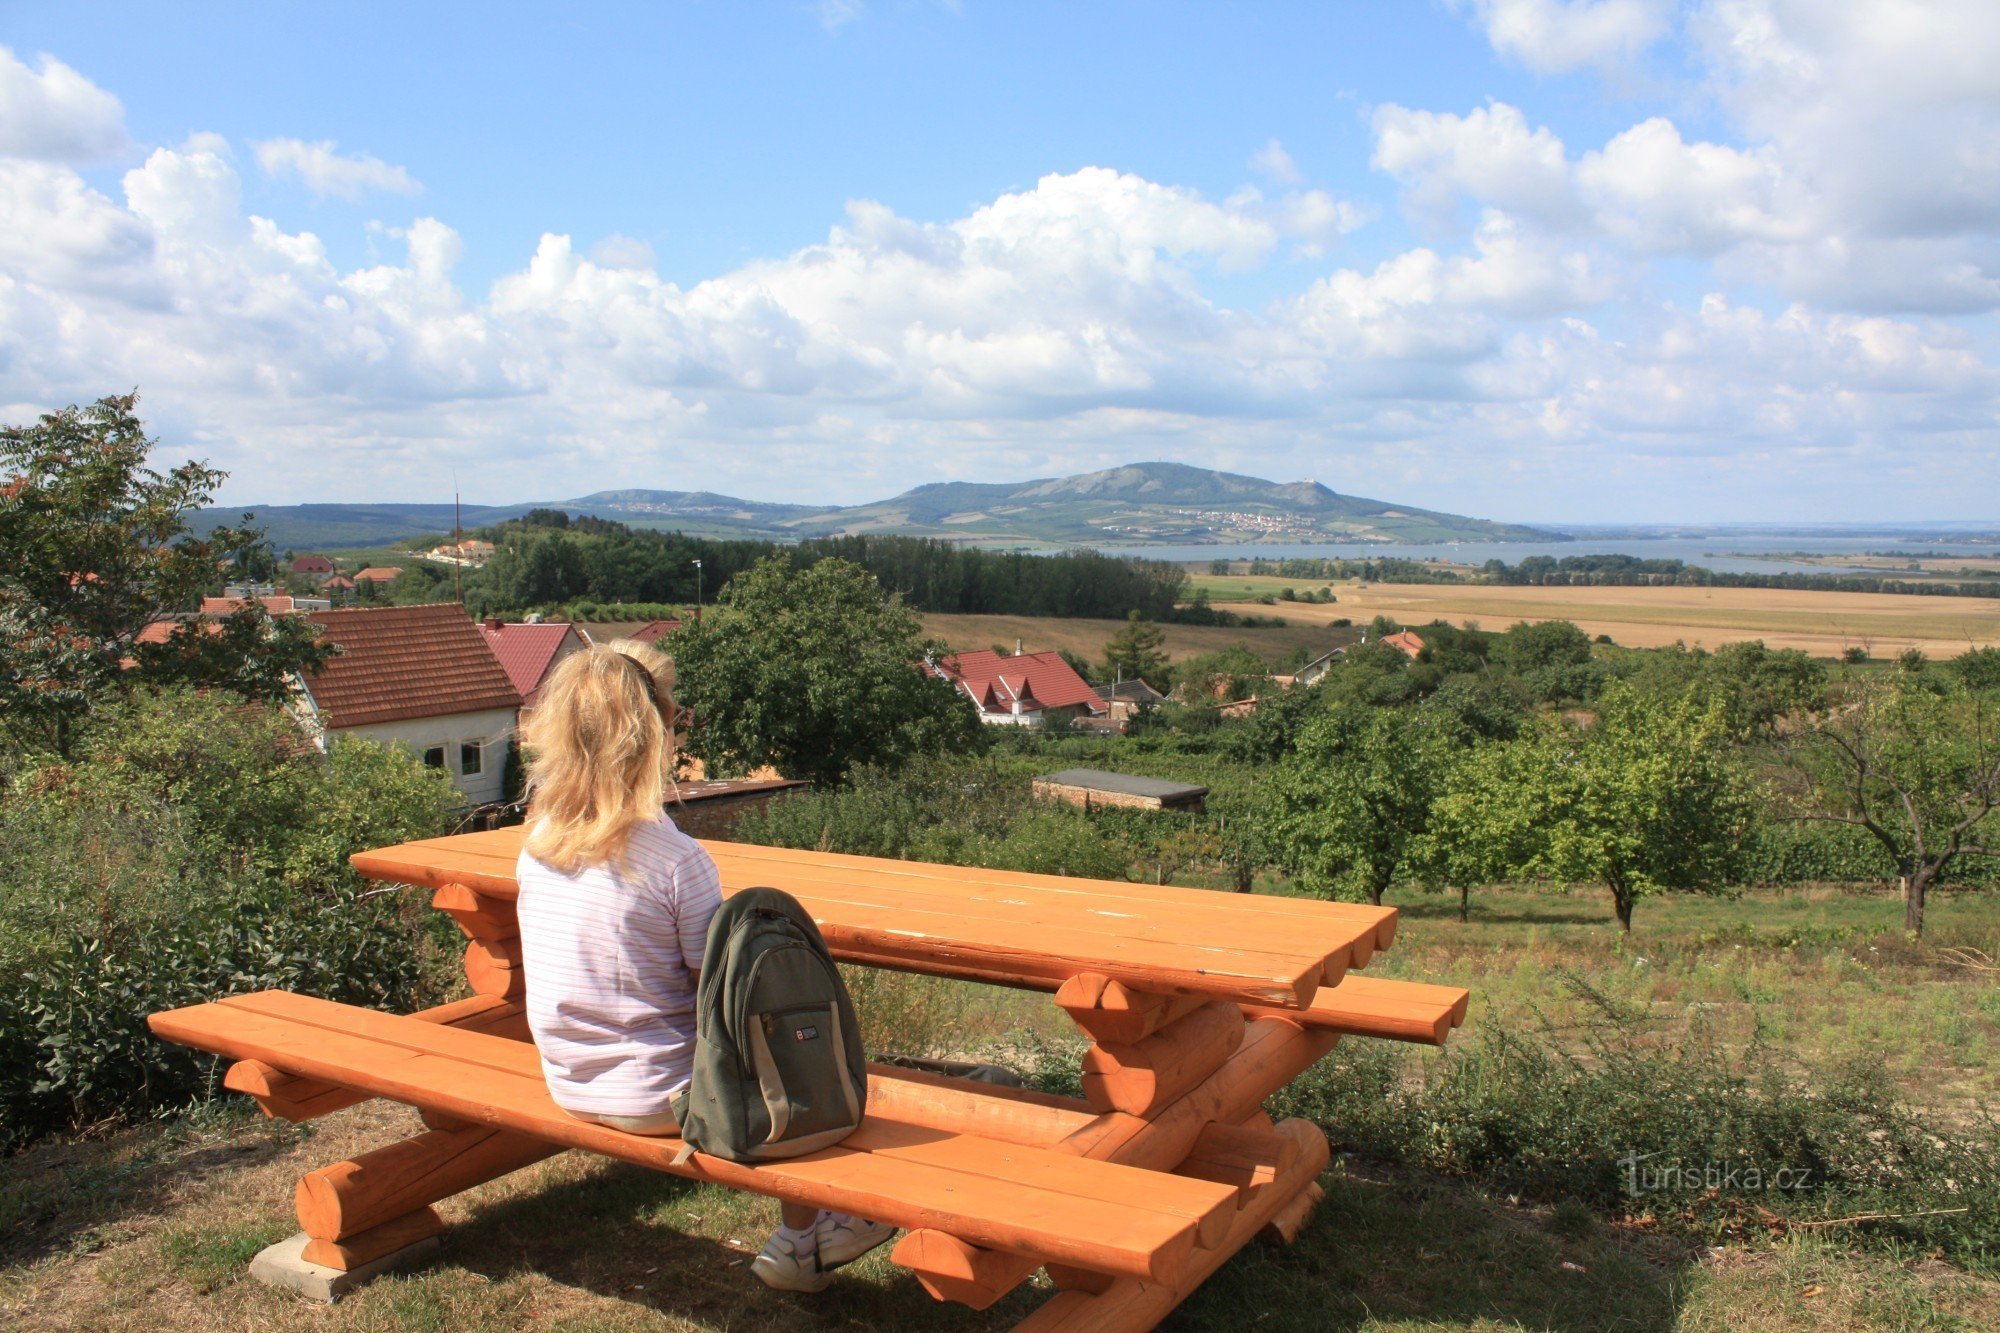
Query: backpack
x,y
778,1065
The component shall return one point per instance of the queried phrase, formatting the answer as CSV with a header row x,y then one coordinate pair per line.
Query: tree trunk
x,y
1916,887
1465,902
1375,892
1621,902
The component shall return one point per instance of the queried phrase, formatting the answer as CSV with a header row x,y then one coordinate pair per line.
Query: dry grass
x,y
1824,624
1088,637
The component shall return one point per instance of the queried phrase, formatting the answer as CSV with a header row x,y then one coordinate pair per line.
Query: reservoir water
x,y
1731,552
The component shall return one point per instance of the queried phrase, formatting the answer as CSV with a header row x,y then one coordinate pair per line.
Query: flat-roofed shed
x,y
1092,787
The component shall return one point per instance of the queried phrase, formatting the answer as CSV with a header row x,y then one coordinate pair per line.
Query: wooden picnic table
x,y
1199,1004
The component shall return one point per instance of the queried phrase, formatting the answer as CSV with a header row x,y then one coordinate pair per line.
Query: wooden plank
x,y
346,1199
1006,1215
296,1099
368,1246
489,858
1381,1007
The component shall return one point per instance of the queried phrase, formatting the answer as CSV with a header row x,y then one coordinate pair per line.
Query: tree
x,y
94,547
1915,762
1643,800
1350,807
1135,651
814,672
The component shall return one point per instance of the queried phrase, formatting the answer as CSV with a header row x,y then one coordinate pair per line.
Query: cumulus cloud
x,y
54,114
325,170
1557,36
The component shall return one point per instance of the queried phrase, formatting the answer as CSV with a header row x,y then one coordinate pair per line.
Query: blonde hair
x,y
600,753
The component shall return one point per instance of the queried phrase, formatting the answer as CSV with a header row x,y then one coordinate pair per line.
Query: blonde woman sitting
x,y
614,906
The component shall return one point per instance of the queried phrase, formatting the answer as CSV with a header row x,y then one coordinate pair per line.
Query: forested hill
x,y
1135,505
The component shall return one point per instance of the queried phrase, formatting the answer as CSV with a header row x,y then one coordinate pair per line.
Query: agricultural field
x,y
1087,638
1824,624
153,1226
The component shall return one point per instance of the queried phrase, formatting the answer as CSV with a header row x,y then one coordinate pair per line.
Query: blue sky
x,y
1586,260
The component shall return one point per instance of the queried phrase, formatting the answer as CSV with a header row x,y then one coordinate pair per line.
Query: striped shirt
x,y
608,956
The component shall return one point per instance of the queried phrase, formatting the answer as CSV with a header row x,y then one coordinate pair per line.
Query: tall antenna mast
x,y
457,545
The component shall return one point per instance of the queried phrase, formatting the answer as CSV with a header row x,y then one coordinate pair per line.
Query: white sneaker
x,y
787,1266
843,1239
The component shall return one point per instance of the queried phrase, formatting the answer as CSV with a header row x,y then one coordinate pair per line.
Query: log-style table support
x,y
1179,1084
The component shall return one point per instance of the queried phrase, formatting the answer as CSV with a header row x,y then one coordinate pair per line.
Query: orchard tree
x,y
95,547
1913,759
814,672
1645,799
1349,808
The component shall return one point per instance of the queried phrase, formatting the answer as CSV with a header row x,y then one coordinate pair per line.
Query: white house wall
x,y
492,729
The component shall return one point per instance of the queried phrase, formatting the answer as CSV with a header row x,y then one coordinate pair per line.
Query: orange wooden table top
x,y
999,926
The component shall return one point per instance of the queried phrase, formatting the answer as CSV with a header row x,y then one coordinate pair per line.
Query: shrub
x,y
1556,1117
196,847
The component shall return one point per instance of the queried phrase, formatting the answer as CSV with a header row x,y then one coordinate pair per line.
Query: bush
x,y
1783,852
196,847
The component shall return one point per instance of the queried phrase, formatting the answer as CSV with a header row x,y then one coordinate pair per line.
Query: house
x,y
471,551
1126,699
528,652
315,567
338,584
377,574
1407,641
418,676
1021,690
1094,787
1313,672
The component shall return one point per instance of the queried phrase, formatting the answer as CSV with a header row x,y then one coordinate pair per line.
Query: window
x,y
469,757
434,757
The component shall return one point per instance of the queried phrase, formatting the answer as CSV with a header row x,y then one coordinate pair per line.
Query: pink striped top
x,y
609,957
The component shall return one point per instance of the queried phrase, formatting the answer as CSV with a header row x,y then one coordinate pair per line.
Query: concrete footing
x,y
285,1265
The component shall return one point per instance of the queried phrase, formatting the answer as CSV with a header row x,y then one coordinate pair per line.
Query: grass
x,y
153,1226
1822,623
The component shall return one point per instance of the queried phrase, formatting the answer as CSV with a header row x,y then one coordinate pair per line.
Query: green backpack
x,y
778,1065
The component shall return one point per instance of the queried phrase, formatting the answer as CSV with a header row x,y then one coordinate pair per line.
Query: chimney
x,y
1017,648
493,623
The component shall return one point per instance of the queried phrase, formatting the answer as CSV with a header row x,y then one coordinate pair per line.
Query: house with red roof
x,y
1407,641
529,651
423,677
1022,689
315,567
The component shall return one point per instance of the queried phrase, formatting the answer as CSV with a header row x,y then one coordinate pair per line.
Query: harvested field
x,y
1824,624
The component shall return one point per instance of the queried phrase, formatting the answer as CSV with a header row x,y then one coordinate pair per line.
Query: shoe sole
x,y
776,1281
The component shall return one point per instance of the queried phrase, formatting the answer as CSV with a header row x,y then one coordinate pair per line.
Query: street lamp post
x,y
697,585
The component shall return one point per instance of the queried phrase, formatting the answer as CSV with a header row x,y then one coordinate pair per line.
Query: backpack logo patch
x,y
804,1033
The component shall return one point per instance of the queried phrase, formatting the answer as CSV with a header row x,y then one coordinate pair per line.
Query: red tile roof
x,y
312,564
1038,680
278,605
526,652
653,630
377,574
1409,641
403,662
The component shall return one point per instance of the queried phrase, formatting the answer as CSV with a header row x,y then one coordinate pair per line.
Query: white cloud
x,y
327,171
1489,154
1275,164
55,114
1557,36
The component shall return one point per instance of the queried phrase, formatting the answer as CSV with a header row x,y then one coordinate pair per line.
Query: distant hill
x,y
1137,505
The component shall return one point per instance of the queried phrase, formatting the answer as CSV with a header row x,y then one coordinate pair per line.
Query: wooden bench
x,y
1199,1005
